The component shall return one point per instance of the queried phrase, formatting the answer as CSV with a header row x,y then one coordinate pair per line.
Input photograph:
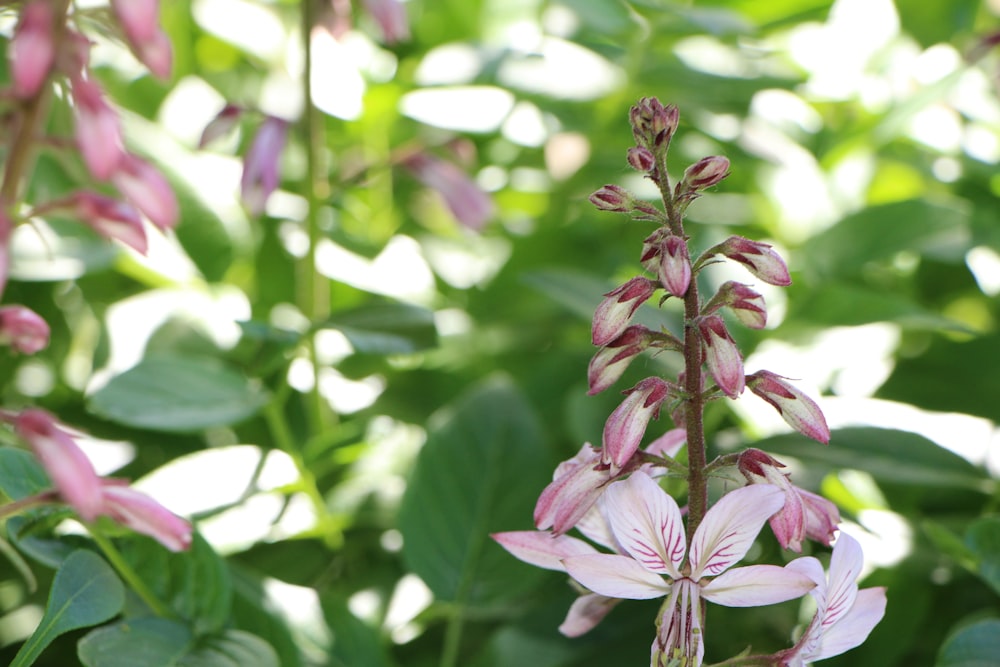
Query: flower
x,y
722,355
144,186
111,218
470,205
611,360
261,165
32,50
627,424
804,515
798,410
844,616
759,258
705,173
647,524
140,21
140,513
653,125
98,132
23,329
221,125
745,303
616,310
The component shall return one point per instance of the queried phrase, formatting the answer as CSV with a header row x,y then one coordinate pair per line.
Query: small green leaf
x,y
975,645
386,328
85,592
178,394
21,475
149,641
983,538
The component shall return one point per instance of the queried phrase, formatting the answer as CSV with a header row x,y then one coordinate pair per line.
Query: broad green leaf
x,y
233,648
20,474
354,641
149,641
840,304
480,471
949,543
931,23
983,538
33,538
878,233
892,456
950,377
85,592
386,328
975,645
178,394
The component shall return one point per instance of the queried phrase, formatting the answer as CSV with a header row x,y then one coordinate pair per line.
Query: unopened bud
x,y
98,132
705,173
221,125
111,218
32,50
611,360
616,310
641,159
798,410
745,303
722,356
613,198
23,329
675,266
653,124
144,186
625,426
759,258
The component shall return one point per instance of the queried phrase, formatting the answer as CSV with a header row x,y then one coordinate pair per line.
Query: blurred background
x,y
351,390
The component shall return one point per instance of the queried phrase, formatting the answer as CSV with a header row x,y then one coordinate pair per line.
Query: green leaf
x,y
950,377
949,543
178,394
85,591
386,328
840,304
354,641
983,538
931,23
58,250
878,233
975,645
479,472
892,456
21,475
150,642
233,648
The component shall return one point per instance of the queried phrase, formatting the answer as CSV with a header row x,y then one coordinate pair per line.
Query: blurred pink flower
x,y
221,125
261,166
111,218
467,202
98,132
137,511
32,50
23,329
390,15
147,189
140,19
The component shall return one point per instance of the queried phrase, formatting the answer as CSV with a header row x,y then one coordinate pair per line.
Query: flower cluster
x,y
644,549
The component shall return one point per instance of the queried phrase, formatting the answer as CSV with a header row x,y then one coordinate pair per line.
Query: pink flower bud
x,y
641,159
32,51
98,133
722,356
675,266
797,409
613,198
146,188
390,15
23,329
626,425
261,174
705,173
653,124
137,511
470,205
759,258
140,22
111,218
221,125
745,303
611,360
616,310
66,464
576,486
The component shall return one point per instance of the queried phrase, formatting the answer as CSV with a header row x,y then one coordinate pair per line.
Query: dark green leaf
x,y
479,472
354,641
178,394
233,648
85,591
150,642
975,645
840,304
983,538
931,23
386,328
20,474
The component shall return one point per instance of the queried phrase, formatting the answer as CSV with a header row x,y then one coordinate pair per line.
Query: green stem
x,y
130,576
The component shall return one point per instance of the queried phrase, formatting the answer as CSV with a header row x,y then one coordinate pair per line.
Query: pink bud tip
x,y
144,186
23,329
32,51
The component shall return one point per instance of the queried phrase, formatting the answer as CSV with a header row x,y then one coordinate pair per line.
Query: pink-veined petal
x,y
813,569
616,576
731,526
567,498
647,523
594,526
756,585
845,566
542,549
855,626
585,613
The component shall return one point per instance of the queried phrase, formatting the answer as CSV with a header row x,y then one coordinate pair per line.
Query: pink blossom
x,y
625,426
759,258
261,166
140,21
615,312
675,266
390,15
804,515
67,466
722,356
611,360
111,218
470,205
221,125
23,329
140,513
797,409
144,186
844,616
647,525
32,50
98,132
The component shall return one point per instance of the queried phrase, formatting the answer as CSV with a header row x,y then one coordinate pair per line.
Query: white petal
x,y
812,568
542,549
616,577
845,566
586,612
855,626
730,527
647,523
756,585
